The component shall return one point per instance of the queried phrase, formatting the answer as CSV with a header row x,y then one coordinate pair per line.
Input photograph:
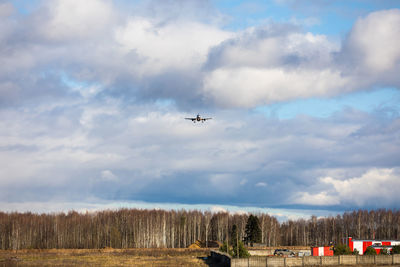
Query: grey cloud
x,y
33,45
57,136
248,41
115,59
160,157
182,87
19,148
33,89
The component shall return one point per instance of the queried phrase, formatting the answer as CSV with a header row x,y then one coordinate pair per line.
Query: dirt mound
x,y
194,246
202,244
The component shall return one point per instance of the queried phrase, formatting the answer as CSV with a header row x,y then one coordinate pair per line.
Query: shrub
x,y
385,251
370,251
243,253
226,248
355,252
396,249
342,250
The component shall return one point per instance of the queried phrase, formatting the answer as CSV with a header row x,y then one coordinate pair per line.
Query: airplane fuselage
x,y
198,118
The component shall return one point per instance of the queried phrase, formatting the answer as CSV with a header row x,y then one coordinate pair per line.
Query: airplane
x,y
198,118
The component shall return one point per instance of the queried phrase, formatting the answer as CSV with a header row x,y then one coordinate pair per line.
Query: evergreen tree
x,y
342,250
239,251
252,231
234,237
370,251
226,248
396,249
236,251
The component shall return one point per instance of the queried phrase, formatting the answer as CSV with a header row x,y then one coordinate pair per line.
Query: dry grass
x,y
104,257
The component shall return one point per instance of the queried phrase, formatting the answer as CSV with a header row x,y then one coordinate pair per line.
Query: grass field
x,y
105,257
111,257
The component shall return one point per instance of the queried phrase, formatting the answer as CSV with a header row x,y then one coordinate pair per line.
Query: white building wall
x,y
359,246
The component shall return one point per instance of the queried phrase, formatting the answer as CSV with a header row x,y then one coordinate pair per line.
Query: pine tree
x,y
252,231
234,236
239,251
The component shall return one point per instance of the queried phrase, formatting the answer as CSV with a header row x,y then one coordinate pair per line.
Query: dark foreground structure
x,y
225,260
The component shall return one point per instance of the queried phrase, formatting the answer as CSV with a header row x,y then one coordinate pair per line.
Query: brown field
x,y
104,257
114,257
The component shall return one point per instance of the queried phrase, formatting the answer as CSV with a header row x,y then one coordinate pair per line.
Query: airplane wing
x,y
204,119
193,119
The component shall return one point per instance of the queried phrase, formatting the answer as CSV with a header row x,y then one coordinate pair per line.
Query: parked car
x,y
284,252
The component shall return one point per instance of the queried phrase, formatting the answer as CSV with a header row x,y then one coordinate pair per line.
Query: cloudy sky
x,y
304,97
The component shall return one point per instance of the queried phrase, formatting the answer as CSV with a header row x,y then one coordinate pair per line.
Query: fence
x,y
256,261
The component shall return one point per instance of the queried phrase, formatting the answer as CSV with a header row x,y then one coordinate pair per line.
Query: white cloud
x,y
375,39
72,19
217,209
190,61
249,87
179,45
261,66
319,199
261,184
376,186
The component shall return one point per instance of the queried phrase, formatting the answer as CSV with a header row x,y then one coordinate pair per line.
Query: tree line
x,y
136,228
378,224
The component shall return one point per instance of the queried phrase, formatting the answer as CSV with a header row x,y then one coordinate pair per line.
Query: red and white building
x,y
378,245
322,251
